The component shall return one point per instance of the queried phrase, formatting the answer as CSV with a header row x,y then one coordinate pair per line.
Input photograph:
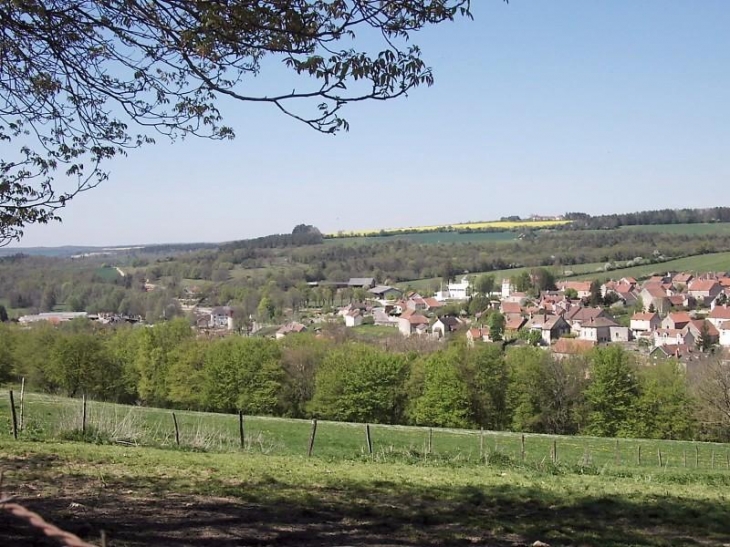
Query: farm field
x,y
428,238
493,224
341,496
715,262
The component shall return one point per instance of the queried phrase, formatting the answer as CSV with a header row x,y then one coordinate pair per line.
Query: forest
x,y
606,393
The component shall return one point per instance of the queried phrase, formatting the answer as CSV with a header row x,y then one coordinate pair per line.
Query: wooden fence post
x,y
430,440
697,456
481,443
83,414
368,439
727,459
659,456
684,457
241,432
522,448
618,454
638,455
15,419
22,406
311,438
554,452
177,429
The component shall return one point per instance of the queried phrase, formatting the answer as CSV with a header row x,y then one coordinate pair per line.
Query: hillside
x,y
197,495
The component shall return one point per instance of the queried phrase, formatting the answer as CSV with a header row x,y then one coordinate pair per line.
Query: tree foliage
x,y
84,81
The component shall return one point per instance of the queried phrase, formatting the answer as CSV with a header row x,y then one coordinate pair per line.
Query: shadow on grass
x,y
207,512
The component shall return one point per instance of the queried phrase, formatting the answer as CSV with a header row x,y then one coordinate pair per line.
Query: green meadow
x,y
128,478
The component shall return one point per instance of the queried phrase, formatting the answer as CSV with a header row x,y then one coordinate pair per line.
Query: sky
x,y
539,107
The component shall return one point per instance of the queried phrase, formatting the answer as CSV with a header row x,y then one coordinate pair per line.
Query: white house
x,y
719,315
643,323
221,317
353,318
455,291
507,288
725,334
597,330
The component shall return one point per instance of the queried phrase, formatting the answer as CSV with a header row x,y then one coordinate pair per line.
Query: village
x,y
677,315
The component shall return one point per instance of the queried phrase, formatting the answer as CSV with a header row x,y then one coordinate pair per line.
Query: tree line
x,y
644,218
605,393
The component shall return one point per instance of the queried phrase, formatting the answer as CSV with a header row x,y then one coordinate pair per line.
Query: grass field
x,y
107,273
272,494
484,225
716,262
591,268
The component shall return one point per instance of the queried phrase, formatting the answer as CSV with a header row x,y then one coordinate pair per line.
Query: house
x,y
221,317
445,325
384,292
353,318
682,300
570,347
620,334
697,326
456,291
581,315
676,320
668,351
203,321
597,330
655,297
477,334
508,308
432,303
683,279
412,323
382,319
662,337
551,327
290,328
718,315
725,334
704,290
361,282
512,325
582,288
642,323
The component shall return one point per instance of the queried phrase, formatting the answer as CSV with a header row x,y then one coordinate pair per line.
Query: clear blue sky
x,y
540,106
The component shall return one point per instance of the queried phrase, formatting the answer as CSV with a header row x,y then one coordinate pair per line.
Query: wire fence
x,y
46,417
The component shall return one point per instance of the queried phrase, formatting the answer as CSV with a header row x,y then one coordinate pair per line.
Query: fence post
x,y
554,452
311,438
481,444
83,414
368,439
241,432
15,419
22,394
727,459
638,456
522,448
618,454
430,439
697,456
659,456
684,457
177,429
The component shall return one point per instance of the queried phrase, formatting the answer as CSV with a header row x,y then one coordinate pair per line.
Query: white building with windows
x,y
455,291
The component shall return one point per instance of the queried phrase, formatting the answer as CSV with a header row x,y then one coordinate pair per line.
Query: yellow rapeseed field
x,y
492,224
